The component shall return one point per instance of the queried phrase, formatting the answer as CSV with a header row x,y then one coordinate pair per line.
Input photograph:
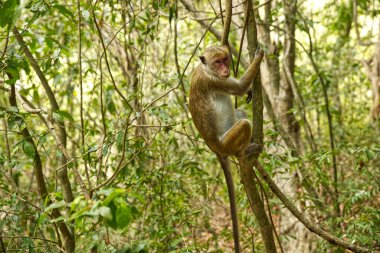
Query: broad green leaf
x,y
28,149
123,216
114,194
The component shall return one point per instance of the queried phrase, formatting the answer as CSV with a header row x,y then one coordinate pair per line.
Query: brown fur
x,y
210,93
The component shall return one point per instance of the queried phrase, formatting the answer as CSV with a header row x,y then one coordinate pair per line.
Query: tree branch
x,y
62,175
227,23
291,207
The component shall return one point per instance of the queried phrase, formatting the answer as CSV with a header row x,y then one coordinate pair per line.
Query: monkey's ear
x,y
203,59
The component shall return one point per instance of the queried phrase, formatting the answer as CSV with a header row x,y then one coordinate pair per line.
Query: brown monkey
x,y
226,131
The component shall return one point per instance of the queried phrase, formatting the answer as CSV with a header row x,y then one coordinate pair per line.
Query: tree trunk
x,y
375,81
248,176
286,97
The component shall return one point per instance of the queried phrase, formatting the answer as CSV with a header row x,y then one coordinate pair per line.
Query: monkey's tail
x,y
225,164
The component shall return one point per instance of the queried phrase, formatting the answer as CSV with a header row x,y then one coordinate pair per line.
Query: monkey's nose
x,y
226,73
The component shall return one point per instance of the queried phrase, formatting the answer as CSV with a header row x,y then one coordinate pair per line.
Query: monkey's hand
x,y
249,97
259,52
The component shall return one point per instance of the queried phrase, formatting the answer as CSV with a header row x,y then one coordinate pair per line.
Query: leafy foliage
x,y
153,184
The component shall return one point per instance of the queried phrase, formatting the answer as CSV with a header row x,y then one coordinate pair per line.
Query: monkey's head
x,y
217,61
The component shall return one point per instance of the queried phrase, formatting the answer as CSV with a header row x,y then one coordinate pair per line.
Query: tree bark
x,y
247,174
286,97
375,81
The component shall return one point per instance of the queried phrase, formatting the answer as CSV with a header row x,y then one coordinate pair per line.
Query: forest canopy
x,y
99,152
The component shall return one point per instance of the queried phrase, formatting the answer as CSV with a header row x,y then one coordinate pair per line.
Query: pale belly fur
x,y
225,113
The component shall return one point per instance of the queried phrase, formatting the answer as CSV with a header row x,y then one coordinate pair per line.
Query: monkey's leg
x,y
237,138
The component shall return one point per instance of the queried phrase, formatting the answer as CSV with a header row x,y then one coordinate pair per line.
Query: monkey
x,y
211,106
225,130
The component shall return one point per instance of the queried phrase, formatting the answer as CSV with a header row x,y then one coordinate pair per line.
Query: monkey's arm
x,y
240,87
254,68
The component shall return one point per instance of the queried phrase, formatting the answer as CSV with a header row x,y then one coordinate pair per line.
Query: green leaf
x,y
176,242
29,149
9,13
41,218
111,106
114,194
39,7
155,5
370,154
14,73
105,212
60,218
123,216
63,114
93,148
86,15
172,10
119,139
141,247
64,11
55,205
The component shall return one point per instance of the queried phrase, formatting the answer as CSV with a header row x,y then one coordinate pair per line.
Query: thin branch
x,y
41,184
324,89
264,193
121,165
2,245
63,177
176,51
32,238
221,11
208,27
79,25
182,76
49,123
355,14
106,58
247,173
227,23
103,113
246,19
329,119
292,208
5,47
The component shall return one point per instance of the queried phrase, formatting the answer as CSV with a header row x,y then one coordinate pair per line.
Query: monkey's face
x,y
218,66
217,60
222,67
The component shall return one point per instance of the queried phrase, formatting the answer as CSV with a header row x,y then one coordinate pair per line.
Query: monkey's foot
x,y
253,149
